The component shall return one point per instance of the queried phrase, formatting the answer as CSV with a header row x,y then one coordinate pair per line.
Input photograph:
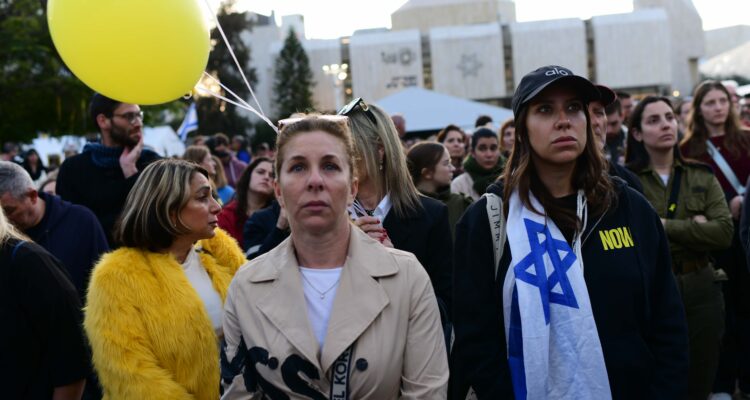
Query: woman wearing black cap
x,y
579,301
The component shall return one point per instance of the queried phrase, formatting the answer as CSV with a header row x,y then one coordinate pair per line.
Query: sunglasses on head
x,y
358,103
339,119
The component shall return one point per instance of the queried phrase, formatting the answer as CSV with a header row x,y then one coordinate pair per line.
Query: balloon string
x,y
242,106
226,42
238,98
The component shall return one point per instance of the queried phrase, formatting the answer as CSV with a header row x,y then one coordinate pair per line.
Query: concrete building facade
x,y
466,61
556,42
385,63
620,64
475,49
725,39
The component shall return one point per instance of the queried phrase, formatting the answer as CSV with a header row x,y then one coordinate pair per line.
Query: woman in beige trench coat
x,y
330,313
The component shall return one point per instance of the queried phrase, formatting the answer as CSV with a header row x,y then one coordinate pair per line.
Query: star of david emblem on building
x,y
470,65
556,287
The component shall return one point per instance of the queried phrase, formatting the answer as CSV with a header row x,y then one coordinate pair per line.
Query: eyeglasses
x,y
131,116
339,119
358,102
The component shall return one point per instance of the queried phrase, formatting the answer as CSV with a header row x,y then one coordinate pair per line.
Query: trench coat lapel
x,y
359,297
286,308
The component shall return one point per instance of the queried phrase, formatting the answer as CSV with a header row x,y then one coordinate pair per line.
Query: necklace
x,y
324,292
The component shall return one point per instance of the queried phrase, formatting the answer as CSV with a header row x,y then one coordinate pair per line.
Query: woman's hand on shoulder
x,y
373,227
282,222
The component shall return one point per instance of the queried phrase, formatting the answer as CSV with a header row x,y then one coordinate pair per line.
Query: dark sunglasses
x,y
358,102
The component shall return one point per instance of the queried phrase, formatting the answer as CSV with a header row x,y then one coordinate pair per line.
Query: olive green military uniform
x,y
690,243
457,203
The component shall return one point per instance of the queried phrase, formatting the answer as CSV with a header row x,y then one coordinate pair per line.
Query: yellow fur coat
x,y
149,331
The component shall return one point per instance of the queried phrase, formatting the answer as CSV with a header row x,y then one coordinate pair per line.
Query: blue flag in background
x,y
189,124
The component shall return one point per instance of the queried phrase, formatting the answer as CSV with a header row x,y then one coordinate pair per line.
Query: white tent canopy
x,y
735,62
425,110
161,139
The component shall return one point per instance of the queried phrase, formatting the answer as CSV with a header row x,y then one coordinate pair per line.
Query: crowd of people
x,y
593,246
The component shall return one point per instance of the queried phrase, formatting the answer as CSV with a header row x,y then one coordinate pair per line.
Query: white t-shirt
x,y
198,277
664,178
320,287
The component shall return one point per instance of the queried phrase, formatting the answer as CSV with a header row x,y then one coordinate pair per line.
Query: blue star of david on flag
x,y
535,261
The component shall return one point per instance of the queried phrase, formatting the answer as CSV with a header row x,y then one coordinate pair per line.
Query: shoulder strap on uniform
x,y
497,225
672,204
725,168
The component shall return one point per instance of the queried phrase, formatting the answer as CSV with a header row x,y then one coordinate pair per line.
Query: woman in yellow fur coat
x,y
155,306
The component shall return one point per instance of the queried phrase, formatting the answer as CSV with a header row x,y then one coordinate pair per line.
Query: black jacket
x,y
625,174
426,233
42,344
260,234
101,190
637,308
72,234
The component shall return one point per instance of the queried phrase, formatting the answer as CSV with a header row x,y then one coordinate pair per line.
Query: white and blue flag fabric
x,y
554,350
190,123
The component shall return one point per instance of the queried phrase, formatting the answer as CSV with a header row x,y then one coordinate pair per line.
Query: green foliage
x,y
293,78
37,91
263,134
215,115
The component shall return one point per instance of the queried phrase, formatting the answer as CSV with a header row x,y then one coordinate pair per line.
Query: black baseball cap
x,y
536,81
607,96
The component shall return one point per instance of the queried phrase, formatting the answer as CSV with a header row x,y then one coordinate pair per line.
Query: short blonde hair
x,y
162,190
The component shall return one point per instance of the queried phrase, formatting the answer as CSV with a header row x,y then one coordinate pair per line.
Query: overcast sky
x,y
326,19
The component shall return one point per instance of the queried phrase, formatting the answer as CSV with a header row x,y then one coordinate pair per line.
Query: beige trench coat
x,y
385,307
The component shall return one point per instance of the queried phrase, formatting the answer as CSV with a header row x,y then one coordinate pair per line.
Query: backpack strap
x,y
497,226
674,194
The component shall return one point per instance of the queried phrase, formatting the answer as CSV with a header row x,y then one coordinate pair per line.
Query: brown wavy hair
x,y
735,138
590,174
636,151
243,184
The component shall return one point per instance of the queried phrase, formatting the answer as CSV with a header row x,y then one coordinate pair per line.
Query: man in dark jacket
x,y
70,232
101,177
597,111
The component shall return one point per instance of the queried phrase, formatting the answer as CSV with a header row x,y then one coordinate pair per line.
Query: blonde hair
x,y
220,179
8,231
392,176
162,191
196,153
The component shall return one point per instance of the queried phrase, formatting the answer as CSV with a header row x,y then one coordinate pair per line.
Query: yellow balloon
x,y
134,51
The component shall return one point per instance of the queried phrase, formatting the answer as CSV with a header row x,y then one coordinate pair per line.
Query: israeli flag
x,y
189,124
553,345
